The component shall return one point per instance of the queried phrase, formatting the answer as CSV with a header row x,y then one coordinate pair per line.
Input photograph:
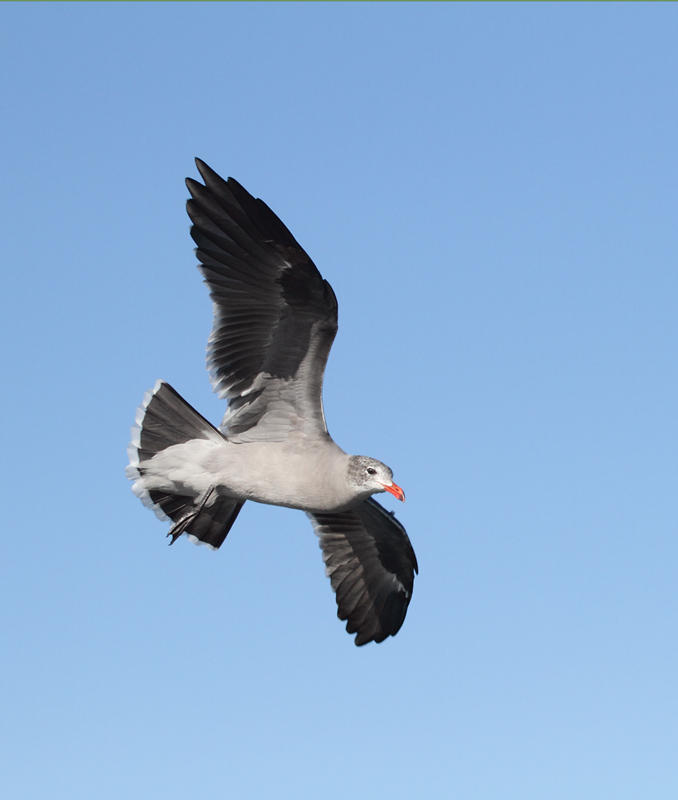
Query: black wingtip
x,y
200,164
203,169
208,175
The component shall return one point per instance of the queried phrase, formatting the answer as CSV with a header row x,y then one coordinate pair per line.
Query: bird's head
x,y
370,476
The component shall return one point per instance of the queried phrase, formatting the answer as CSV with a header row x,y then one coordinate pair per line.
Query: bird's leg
x,y
183,522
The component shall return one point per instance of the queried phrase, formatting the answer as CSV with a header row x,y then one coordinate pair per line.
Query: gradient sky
x,y
491,190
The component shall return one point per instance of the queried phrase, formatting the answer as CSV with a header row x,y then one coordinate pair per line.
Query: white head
x,y
370,476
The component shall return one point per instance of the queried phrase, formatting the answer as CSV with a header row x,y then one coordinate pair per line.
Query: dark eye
x,y
371,471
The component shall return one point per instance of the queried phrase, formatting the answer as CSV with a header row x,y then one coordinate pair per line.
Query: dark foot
x,y
181,524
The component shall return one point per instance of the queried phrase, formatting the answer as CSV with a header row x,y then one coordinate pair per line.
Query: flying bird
x,y
275,319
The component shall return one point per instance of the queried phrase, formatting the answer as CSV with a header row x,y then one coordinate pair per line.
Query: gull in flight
x,y
275,319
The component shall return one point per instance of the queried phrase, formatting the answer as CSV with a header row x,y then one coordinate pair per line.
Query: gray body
x,y
272,473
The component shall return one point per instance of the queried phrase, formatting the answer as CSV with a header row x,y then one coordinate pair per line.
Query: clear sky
x,y
491,189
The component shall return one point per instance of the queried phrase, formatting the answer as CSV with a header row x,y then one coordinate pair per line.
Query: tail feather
x,y
165,419
214,523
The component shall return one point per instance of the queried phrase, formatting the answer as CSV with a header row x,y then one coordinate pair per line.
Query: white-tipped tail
x,y
165,419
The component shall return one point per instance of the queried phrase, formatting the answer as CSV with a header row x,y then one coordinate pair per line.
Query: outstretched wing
x,y
370,561
275,318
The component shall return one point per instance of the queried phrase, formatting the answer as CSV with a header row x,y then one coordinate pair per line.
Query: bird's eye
x,y
371,471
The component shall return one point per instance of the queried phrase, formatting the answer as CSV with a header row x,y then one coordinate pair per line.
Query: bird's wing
x,y
370,561
275,318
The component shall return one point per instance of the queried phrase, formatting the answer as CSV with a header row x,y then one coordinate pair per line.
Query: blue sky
x,y
491,191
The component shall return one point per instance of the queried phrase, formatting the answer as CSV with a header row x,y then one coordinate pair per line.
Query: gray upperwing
x,y
275,318
371,564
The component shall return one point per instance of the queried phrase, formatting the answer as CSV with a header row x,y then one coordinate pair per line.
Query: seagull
x,y
275,319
